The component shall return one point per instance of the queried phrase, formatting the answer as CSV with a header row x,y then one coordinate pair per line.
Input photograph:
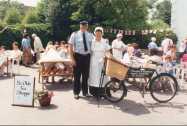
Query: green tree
x,y
124,13
159,24
64,14
57,13
12,16
31,17
7,4
42,10
164,11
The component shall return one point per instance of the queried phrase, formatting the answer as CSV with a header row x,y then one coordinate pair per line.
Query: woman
x,y
99,48
63,50
26,46
128,55
3,60
16,52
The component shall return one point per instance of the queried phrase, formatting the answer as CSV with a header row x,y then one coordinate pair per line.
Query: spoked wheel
x,y
163,88
115,91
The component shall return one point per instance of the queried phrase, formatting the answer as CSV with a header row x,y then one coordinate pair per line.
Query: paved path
x,y
65,110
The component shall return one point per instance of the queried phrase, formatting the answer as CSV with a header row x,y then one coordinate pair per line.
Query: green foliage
x,y
158,24
42,10
119,13
7,4
64,14
31,17
12,16
14,33
164,11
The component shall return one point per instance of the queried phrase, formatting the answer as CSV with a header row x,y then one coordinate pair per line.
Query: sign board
x,y
23,94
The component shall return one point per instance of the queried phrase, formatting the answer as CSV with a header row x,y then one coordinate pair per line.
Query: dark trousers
x,y
81,69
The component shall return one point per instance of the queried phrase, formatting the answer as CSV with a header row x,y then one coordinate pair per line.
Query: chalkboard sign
x,y
24,87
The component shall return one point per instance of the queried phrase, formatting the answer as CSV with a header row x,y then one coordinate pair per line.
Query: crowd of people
x,y
87,52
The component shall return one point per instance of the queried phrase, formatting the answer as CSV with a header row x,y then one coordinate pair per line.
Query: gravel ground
x,y
66,110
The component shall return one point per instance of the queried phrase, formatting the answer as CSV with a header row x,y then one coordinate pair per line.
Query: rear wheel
x,y
115,91
163,88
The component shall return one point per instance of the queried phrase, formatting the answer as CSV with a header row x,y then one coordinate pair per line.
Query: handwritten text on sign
x,y
23,91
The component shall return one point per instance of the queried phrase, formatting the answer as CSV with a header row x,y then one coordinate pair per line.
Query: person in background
x,y
63,50
137,51
16,52
166,43
80,49
38,47
152,44
172,53
98,50
56,45
49,46
183,48
118,47
168,65
3,60
26,46
128,55
155,56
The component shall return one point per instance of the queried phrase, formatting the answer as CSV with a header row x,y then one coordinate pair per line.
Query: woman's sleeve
x,y
107,46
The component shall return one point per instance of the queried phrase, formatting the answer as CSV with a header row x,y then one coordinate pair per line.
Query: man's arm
x,y
70,48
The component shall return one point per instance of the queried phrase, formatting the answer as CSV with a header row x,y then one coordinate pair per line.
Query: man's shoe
x,y
76,97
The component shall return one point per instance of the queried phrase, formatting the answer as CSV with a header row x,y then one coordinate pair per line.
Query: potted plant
x,y
44,97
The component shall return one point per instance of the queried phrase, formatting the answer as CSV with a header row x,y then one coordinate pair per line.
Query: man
x,y
166,44
118,47
38,47
152,44
80,48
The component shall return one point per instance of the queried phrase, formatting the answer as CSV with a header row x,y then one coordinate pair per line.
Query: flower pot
x,y
45,100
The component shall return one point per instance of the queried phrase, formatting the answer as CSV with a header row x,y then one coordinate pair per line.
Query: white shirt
x,y
116,44
76,39
126,59
165,44
37,44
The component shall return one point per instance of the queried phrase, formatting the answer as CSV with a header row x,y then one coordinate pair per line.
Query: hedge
x,y
44,31
14,33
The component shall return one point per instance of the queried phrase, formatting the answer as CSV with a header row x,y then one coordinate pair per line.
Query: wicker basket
x,y
116,69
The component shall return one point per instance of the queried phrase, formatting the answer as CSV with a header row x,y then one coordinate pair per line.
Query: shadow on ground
x,y
173,105
51,107
127,106
60,86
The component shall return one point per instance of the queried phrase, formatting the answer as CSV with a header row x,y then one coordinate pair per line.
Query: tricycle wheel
x,y
115,91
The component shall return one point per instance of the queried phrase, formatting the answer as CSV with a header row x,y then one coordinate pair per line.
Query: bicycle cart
x,y
162,86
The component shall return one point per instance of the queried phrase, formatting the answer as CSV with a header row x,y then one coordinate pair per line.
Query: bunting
x,y
134,32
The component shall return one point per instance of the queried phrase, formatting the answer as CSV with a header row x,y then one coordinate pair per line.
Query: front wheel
x,y
115,91
163,87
